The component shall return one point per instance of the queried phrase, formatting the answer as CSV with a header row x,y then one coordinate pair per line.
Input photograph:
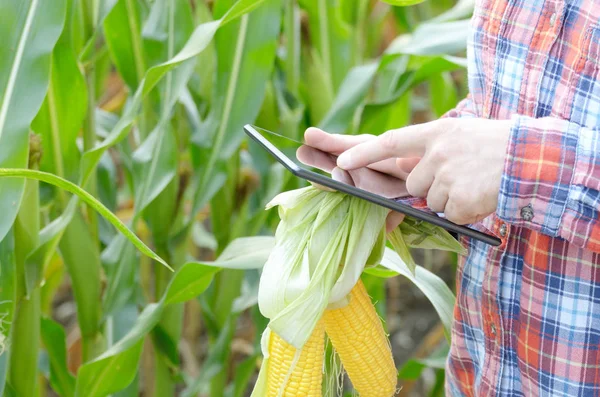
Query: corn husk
x,y
324,242
414,233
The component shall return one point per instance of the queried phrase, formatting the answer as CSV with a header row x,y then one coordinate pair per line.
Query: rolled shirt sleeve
x,y
551,180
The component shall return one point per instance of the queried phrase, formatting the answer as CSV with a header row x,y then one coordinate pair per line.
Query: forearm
x,y
551,180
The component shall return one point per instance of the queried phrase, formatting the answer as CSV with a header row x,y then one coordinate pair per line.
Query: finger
x,y
315,158
407,164
454,213
333,143
390,167
393,220
343,176
437,197
378,183
405,142
459,212
421,178
337,144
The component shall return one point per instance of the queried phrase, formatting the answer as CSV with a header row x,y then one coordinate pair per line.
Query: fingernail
x,y
344,160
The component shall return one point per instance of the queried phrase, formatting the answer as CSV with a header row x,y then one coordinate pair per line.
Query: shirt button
x,y
527,212
553,19
503,230
493,330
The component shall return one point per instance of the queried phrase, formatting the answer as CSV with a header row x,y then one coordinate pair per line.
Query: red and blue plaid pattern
x,y
527,319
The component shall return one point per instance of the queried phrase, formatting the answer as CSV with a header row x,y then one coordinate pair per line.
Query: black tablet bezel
x,y
363,194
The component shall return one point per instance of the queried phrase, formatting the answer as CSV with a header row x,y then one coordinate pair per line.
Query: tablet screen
x,y
297,151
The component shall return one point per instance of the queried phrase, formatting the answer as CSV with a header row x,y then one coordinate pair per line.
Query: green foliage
x,y
122,157
30,30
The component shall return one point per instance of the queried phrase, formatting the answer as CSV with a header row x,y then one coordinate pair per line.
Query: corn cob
x,y
307,375
358,337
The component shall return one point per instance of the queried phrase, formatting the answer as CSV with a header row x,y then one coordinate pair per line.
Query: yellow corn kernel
x,y
307,375
358,337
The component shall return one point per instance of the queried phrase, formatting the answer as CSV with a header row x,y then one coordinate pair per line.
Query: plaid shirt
x,y
527,319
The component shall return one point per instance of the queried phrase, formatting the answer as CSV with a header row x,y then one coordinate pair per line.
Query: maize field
x,y
147,248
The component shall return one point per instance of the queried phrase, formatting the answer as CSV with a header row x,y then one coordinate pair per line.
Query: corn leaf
x,y
59,122
420,234
315,88
327,61
394,111
26,229
101,8
243,376
155,161
115,369
433,39
120,262
188,281
391,108
3,369
352,92
291,26
53,336
462,9
7,301
25,345
442,93
87,198
123,35
78,243
433,287
377,118
397,240
25,328
214,362
199,40
49,239
30,29
239,90
63,111
122,322
7,286
203,81
331,35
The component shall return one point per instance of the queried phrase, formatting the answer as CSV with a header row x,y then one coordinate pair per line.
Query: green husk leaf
x,y
397,240
323,242
420,234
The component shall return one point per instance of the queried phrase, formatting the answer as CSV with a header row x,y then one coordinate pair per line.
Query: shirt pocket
x,y
584,88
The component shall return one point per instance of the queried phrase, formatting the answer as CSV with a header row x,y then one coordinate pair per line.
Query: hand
x,y
461,164
386,178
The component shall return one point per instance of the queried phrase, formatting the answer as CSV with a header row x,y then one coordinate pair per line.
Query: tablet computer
x,y
285,149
